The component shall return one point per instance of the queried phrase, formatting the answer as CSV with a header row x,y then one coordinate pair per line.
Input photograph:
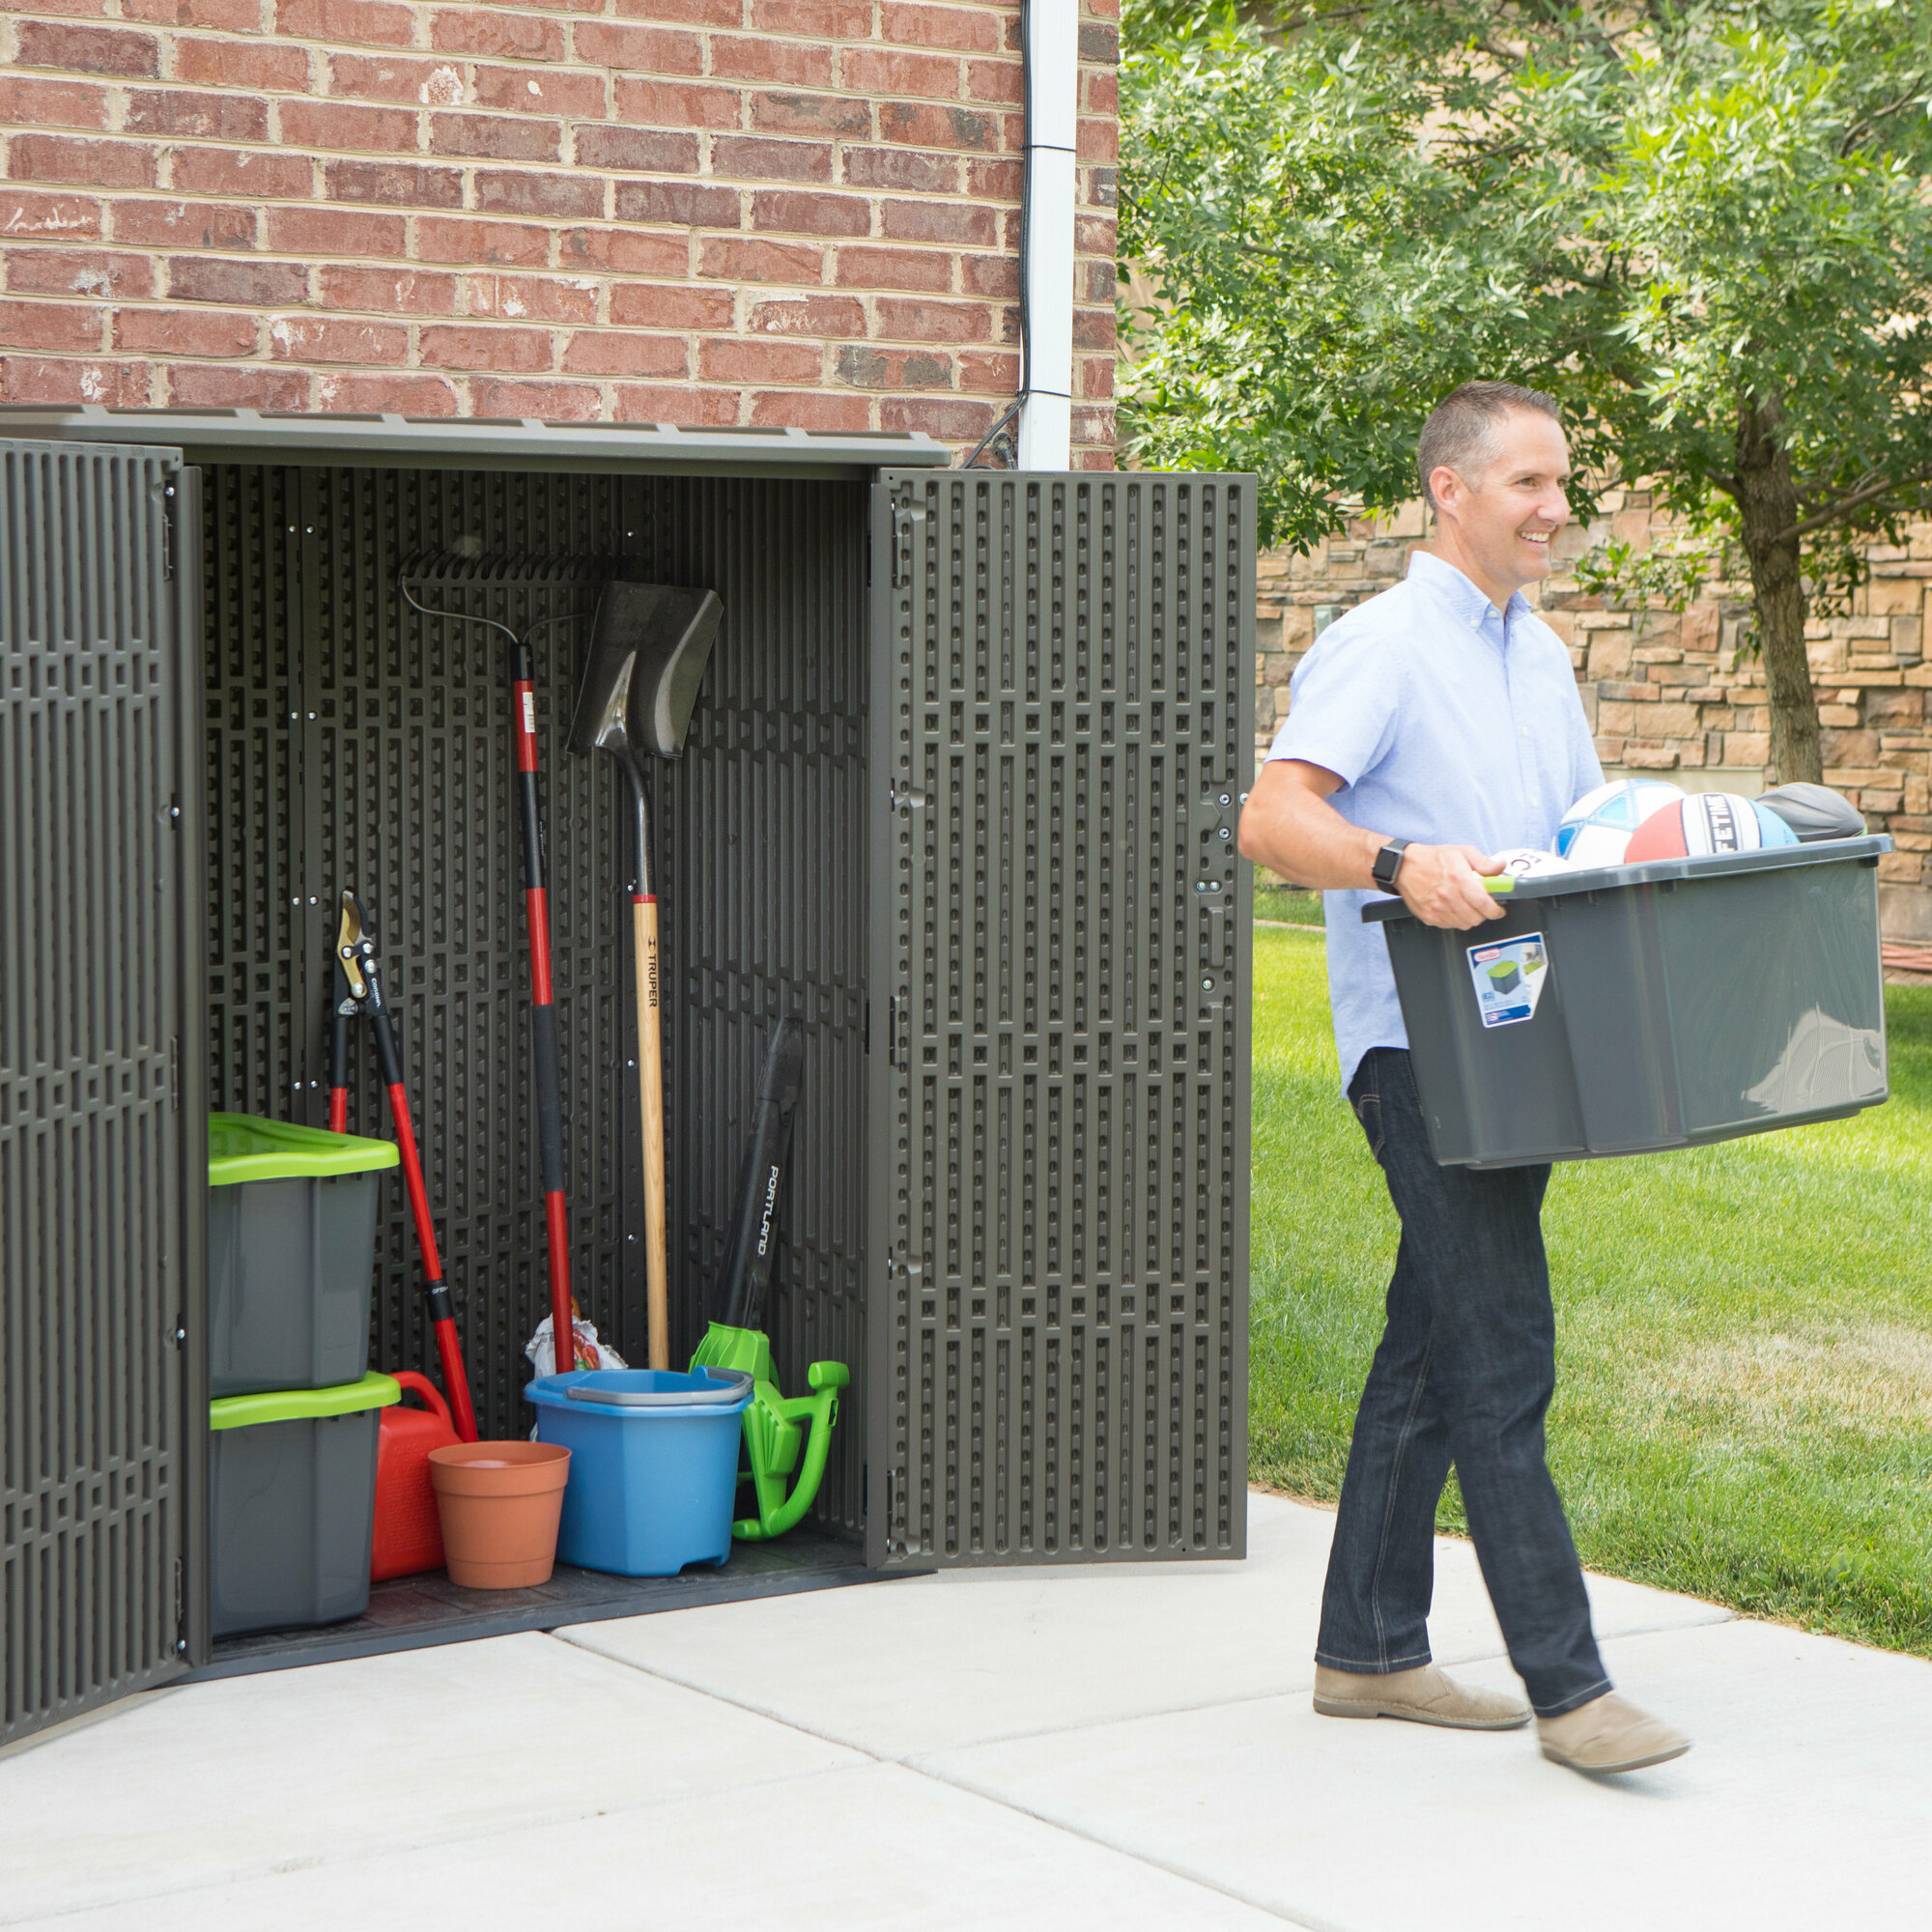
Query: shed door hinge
x,y
175,1071
180,1612
169,499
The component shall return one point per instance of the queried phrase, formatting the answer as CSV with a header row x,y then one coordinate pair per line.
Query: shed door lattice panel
x,y
100,1235
1061,724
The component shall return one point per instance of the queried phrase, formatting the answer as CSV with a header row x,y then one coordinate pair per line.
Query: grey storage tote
x,y
292,1495
1643,1006
291,1254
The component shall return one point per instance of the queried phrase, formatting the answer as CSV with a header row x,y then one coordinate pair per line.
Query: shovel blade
x,y
650,647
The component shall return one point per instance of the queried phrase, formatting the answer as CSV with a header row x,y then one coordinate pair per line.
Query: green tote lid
x,y
242,1148
242,1411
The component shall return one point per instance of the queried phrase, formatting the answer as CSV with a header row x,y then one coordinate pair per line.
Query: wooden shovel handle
x,y
651,1101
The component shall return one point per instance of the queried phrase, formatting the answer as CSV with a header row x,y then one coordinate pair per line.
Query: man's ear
x,y
1446,487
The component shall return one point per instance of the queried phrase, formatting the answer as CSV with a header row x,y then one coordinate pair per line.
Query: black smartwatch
x,y
1388,863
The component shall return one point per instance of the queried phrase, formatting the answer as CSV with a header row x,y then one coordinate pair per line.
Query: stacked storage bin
x,y
295,1411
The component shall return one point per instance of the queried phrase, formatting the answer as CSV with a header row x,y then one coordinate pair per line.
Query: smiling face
x,y
1497,527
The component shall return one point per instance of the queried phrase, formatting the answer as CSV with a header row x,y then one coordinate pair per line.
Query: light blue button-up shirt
x,y
1449,722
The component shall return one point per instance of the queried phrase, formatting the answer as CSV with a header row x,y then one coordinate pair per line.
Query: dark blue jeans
x,y
1464,1375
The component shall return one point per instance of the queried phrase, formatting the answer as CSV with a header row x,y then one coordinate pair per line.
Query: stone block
x,y
1840,717
1648,757
1894,707
1671,720
1746,748
1905,913
1615,718
1697,628
1900,868
1609,653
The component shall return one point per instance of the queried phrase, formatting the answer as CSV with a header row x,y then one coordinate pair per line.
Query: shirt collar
x,y
1451,588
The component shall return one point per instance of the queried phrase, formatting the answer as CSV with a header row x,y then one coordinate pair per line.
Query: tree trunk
x,y
1768,509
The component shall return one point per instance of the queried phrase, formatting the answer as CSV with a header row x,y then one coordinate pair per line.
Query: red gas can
x,y
408,1536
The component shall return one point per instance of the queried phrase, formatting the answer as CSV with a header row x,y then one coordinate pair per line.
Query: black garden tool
x,y
648,650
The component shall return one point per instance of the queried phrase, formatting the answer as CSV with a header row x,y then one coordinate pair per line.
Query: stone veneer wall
x,y
1660,689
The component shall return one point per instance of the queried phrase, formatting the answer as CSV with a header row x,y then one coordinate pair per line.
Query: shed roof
x,y
482,442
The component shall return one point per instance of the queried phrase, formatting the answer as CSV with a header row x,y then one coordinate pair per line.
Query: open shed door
x,y
1061,725
103,1150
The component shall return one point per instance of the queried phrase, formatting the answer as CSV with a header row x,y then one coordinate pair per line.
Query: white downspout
x,y
1051,45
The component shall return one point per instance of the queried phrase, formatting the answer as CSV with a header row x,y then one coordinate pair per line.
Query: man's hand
x,y
1442,885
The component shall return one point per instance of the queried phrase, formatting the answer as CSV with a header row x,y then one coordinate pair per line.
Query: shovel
x,y
648,649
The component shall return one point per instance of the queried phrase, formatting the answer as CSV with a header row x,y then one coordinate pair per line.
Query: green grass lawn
x,y
1285,904
1743,1404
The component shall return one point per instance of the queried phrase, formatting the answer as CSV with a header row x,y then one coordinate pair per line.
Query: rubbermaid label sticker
x,y
1510,976
530,713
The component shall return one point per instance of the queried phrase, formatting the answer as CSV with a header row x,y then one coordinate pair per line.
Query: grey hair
x,y
1462,432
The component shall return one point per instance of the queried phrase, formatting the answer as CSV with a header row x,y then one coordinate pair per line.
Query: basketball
x,y
1597,829
1707,822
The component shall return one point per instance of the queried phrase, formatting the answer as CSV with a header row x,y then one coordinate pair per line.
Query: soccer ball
x,y
1706,822
1597,827
1527,862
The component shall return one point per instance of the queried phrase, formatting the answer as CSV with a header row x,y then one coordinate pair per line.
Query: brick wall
x,y
1665,692
773,211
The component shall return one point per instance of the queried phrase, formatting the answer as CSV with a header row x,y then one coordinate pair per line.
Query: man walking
x,y
1432,727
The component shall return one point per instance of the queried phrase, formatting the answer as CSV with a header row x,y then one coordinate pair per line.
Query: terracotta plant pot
x,y
500,1503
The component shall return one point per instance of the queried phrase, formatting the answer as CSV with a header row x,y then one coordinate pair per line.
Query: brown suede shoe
x,y
1424,1696
1608,1734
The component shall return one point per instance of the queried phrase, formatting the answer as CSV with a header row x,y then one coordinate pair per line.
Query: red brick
x,y
753,260
869,368
636,49
247,284
90,273
794,408
560,196
1003,81
732,359
652,306
393,290
189,114
886,71
460,346
619,352
1095,281
184,225
1103,93
897,168
795,63
1097,139
996,180
51,103
786,113
379,23
808,315
970,30
87,49
394,184
387,392
894,268
391,77
346,124
39,379
76,8
635,150
1095,234
496,137
990,275
698,13
267,70
50,324
623,251
545,402
686,408
1094,459
1096,376
1101,43
1093,328
1103,187
815,19
65,157
932,126
962,223
675,204
1095,425
495,35
200,385
336,230
796,212
536,90
262,177
983,370
949,421
71,216
770,160
318,338
506,244
534,298
184,332
910,320
675,103
228,16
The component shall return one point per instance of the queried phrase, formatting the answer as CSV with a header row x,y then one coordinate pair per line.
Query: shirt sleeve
x,y
1586,769
1342,702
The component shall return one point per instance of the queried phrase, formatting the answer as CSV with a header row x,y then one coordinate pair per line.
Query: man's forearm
x,y
1303,838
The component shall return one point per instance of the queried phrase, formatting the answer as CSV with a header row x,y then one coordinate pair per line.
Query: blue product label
x,y
1509,976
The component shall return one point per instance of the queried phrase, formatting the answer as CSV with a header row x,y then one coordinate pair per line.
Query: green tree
x,y
1706,227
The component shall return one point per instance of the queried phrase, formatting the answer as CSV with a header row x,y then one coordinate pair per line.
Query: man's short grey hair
x,y
1466,426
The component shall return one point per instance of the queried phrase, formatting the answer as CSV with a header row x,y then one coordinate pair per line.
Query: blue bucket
x,y
653,1464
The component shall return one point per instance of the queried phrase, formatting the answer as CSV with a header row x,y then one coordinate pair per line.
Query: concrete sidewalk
x,y
1122,1747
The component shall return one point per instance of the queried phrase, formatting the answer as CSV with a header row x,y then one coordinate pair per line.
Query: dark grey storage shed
x,y
960,791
